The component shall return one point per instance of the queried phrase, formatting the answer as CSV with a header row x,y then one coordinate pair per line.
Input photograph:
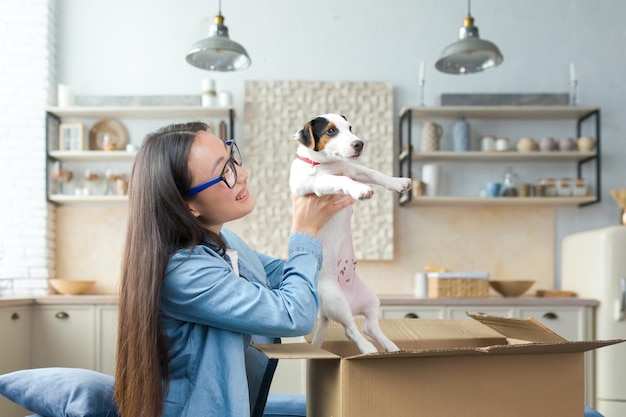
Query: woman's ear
x,y
193,210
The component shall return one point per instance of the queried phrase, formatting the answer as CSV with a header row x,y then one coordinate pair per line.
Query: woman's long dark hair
x,y
159,223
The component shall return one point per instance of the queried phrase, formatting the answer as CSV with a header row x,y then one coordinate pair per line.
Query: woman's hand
x,y
311,212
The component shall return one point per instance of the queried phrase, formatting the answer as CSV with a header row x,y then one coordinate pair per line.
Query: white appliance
x,y
593,264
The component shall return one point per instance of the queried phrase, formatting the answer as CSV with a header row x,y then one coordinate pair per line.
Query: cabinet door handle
x,y
620,314
550,316
15,316
62,315
411,316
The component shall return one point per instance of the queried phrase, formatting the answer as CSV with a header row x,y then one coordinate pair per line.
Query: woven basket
x,y
457,287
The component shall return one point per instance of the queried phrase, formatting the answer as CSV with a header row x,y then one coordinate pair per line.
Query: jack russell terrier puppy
x,y
324,165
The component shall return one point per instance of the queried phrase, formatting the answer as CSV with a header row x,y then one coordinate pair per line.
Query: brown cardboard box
x,y
489,366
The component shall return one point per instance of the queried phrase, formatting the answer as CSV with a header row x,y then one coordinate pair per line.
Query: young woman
x,y
193,294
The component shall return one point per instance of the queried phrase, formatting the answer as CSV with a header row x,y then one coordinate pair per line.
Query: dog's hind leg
x,y
351,330
335,306
369,308
365,302
372,329
353,333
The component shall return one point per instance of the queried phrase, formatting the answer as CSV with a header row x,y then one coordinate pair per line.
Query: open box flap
x,y
518,349
531,336
295,351
552,347
528,329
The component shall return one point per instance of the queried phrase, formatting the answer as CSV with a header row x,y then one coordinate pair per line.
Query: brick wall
x,y
27,80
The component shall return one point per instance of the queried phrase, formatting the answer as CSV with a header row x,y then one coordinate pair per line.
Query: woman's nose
x,y
242,173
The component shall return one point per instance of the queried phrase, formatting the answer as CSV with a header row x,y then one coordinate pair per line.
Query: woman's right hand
x,y
311,212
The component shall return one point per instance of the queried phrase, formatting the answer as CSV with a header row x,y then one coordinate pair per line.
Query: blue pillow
x,y
285,405
61,392
590,412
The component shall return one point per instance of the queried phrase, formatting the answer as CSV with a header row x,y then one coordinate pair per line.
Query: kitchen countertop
x,y
385,300
58,299
403,300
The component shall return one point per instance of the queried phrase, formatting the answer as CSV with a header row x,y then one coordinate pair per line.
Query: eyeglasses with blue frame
x,y
228,175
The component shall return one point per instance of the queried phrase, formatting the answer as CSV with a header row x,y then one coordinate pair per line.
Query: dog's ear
x,y
310,134
305,136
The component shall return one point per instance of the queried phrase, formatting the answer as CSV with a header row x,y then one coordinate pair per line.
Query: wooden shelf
x,y
501,201
89,199
141,111
500,112
474,156
92,155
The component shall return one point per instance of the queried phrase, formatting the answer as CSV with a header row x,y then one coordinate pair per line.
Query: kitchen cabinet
x,y
15,325
460,312
579,115
15,328
63,335
76,190
106,338
81,336
47,335
412,312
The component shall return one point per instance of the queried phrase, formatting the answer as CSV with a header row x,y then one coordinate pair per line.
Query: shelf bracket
x,y
406,154
579,124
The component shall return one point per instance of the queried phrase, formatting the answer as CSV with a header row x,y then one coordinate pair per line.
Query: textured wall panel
x,y
274,111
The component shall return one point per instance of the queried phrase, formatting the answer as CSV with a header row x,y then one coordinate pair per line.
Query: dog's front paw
x,y
361,192
399,184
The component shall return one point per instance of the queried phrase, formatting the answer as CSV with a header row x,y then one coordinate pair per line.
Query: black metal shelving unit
x,y
582,116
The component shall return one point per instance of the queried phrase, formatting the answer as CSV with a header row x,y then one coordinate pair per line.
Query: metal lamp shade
x,y
218,52
469,55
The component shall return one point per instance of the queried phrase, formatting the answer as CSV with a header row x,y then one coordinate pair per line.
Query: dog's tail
x,y
320,331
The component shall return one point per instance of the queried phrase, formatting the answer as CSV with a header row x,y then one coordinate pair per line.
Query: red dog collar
x,y
307,160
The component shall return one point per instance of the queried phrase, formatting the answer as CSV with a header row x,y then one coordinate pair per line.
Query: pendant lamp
x,y
470,53
218,52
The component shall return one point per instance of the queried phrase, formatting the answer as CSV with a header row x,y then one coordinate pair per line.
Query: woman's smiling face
x,y
217,204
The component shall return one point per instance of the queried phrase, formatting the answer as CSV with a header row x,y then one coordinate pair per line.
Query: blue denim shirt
x,y
210,313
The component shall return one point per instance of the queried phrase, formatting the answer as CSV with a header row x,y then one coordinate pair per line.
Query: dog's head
x,y
330,134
